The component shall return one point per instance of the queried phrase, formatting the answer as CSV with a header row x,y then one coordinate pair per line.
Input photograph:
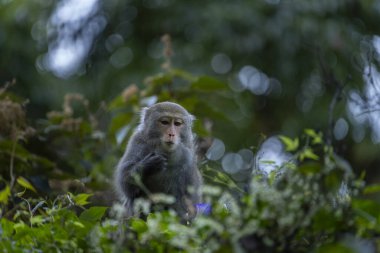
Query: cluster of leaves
x,y
50,226
303,209
52,184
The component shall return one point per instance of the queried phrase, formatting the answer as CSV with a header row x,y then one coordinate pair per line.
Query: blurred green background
x,y
289,64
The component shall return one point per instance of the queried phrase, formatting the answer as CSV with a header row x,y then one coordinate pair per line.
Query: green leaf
x,y
308,153
290,145
310,168
20,226
4,194
316,137
81,199
121,120
183,74
159,79
369,208
267,162
20,194
324,220
334,248
272,176
219,177
6,228
116,103
93,214
200,129
310,132
20,153
333,180
372,189
78,224
25,183
206,83
37,220
139,225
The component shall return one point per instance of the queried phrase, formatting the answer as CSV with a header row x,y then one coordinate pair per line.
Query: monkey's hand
x,y
153,162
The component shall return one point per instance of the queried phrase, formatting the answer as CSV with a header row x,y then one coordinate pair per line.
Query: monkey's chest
x,y
167,181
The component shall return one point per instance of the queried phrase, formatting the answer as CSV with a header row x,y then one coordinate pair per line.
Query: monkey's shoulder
x,y
137,138
139,143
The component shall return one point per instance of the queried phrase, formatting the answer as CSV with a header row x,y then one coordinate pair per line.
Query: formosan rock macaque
x,y
161,154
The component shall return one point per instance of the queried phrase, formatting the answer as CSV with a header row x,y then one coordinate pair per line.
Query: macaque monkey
x,y
161,155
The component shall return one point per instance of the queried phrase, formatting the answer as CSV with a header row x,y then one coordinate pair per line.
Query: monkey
x,y
161,154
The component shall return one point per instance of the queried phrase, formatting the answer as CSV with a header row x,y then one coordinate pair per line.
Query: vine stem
x,y
12,163
332,105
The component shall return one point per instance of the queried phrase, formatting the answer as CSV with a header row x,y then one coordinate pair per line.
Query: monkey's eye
x,y
165,122
177,123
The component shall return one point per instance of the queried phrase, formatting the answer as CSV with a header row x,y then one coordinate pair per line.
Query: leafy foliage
x,y
52,197
56,170
310,52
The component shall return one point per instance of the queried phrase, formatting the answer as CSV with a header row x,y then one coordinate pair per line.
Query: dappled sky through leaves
x,y
74,24
364,108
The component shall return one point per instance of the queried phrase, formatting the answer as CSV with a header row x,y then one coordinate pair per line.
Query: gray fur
x,y
160,170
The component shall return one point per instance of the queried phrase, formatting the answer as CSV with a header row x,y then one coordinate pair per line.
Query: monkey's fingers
x,y
161,162
156,162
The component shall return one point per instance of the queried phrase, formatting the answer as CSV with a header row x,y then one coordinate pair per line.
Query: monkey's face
x,y
170,129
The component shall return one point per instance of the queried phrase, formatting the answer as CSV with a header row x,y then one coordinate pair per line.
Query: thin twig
x,y
368,112
330,79
369,74
13,179
337,96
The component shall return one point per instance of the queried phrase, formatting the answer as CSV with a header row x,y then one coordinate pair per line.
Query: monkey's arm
x,y
136,163
131,168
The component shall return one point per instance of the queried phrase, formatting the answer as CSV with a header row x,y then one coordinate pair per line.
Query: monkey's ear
x,y
191,119
143,116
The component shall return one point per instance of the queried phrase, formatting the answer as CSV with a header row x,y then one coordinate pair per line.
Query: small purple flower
x,y
203,208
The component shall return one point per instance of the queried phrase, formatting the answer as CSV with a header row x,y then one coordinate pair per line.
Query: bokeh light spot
x,y
122,57
113,42
271,155
216,151
254,80
221,63
232,163
340,129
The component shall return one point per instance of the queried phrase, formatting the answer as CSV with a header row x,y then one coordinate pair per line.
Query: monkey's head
x,y
167,123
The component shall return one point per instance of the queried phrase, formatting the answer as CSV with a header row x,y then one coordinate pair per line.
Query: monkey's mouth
x,y
170,145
